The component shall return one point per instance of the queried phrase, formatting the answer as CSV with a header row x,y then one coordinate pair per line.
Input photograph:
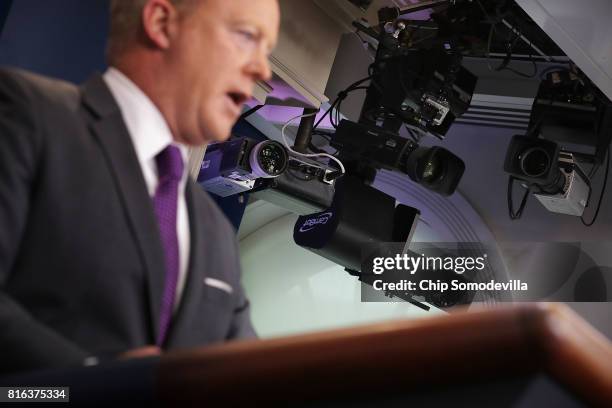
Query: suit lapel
x,y
192,292
108,127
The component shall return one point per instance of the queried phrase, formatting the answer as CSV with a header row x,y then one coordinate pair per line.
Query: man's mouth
x,y
238,98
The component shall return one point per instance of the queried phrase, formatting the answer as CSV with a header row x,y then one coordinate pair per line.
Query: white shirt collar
x,y
147,127
150,134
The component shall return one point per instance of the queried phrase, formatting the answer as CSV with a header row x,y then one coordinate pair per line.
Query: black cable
x,y
341,96
523,74
357,83
510,47
508,57
338,106
532,131
519,33
603,190
250,112
486,14
325,114
518,214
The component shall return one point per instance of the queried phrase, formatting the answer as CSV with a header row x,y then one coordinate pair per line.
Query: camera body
x,y
560,183
573,198
426,88
433,167
235,166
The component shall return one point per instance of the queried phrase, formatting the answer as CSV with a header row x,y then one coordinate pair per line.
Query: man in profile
x,y
107,248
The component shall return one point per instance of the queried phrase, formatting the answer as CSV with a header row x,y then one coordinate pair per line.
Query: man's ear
x,y
159,18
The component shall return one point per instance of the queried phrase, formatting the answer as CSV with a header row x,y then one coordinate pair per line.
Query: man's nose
x,y
259,68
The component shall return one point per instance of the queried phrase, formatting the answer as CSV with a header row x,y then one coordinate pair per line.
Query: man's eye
x,y
248,35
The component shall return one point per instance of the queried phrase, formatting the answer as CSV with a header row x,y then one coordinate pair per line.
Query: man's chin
x,y
210,135
218,137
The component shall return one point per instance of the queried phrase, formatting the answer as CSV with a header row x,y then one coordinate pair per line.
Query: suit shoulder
x,y
25,87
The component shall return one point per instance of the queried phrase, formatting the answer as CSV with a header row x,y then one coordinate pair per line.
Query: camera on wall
x,y
569,130
237,165
434,168
426,88
555,177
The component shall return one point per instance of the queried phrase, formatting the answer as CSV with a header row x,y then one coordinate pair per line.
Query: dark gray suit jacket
x,y
81,260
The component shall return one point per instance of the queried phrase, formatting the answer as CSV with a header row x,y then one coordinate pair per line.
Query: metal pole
x,y
304,132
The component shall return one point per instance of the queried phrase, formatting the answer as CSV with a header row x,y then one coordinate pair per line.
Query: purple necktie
x,y
170,171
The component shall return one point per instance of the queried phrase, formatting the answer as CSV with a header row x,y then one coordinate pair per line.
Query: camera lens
x,y
272,158
534,162
435,168
268,159
432,170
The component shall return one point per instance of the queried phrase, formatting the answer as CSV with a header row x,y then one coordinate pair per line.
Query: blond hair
x,y
126,23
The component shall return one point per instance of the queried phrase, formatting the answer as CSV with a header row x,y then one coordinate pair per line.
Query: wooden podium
x,y
397,359
513,356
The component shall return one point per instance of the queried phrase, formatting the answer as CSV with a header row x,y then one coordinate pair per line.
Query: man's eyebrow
x,y
271,47
261,33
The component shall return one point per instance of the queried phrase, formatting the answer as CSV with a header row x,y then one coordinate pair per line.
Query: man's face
x,y
221,50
